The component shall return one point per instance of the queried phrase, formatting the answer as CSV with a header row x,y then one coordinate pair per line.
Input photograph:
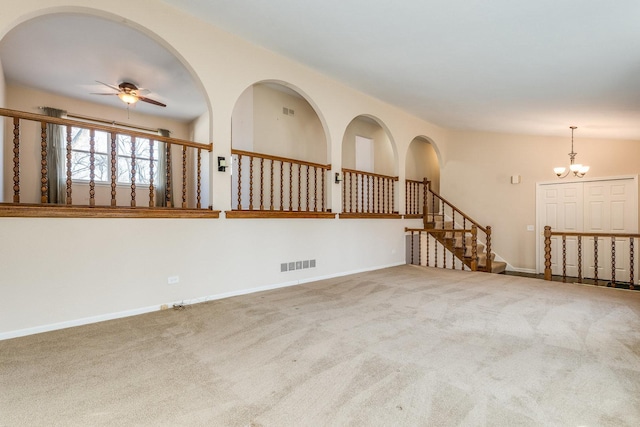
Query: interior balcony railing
x,y
368,195
415,196
593,258
266,186
98,170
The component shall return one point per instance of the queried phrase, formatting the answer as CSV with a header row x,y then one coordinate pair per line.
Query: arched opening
x,y
422,162
280,152
370,169
58,60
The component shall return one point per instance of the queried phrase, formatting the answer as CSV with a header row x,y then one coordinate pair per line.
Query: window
x,y
80,157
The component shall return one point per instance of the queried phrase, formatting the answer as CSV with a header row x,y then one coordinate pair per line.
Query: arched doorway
x,y
370,169
58,59
280,151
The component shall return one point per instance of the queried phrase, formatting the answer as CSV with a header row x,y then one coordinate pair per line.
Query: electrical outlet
x,y
164,307
173,280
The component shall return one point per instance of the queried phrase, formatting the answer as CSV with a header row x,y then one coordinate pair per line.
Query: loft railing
x,y
368,195
415,196
112,162
441,252
272,186
591,257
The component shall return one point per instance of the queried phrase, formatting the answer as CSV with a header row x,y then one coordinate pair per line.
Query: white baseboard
x,y
134,312
521,270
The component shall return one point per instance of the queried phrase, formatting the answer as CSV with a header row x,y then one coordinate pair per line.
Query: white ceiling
x,y
529,67
522,66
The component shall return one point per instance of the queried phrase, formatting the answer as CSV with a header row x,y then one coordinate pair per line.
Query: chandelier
x,y
577,169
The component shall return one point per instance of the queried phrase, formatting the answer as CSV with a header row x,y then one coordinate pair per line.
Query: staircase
x,y
461,245
452,230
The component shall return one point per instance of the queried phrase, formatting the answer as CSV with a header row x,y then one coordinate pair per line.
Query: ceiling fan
x,y
130,93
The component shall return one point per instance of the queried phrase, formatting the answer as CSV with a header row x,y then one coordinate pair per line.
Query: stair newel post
x,y
547,252
425,203
474,248
488,249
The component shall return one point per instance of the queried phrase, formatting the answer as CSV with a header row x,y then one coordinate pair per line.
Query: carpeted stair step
x,y
497,267
468,250
434,218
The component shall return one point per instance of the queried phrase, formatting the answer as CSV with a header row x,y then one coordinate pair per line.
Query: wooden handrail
x,y
470,262
86,125
414,181
440,230
111,133
483,229
395,178
279,159
307,193
369,194
615,235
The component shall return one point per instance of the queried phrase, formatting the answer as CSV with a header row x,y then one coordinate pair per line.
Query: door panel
x,y
607,206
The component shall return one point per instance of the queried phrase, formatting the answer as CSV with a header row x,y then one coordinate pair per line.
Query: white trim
x,y
521,270
143,310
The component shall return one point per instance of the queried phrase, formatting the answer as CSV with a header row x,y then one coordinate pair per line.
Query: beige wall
x,y
476,177
422,162
300,136
2,105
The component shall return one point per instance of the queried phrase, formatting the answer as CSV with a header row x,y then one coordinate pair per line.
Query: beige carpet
x,y
404,346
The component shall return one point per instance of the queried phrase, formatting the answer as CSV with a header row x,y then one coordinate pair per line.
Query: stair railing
x,y
436,205
610,243
431,252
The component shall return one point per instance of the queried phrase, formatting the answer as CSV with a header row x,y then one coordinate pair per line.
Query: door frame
x,y
540,227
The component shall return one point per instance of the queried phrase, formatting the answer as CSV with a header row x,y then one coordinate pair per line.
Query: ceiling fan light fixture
x,y
128,98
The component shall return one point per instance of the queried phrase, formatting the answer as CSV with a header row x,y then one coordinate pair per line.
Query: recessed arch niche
x,y
71,48
422,162
383,150
271,117
276,122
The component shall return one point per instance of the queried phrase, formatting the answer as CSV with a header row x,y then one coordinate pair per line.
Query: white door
x,y
609,208
560,207
599,206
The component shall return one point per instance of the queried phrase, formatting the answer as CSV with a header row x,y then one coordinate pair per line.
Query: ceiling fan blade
x,y
96,93
108,85
151,101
